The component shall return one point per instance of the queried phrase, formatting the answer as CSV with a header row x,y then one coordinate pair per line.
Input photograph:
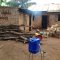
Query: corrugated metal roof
x,y
53,7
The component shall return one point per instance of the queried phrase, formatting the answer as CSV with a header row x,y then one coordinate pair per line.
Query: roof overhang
x,y
29,12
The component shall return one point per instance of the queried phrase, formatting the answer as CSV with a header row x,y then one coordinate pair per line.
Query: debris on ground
x,y
54,30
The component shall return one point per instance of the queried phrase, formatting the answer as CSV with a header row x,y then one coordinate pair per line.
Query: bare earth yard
x,y
12,50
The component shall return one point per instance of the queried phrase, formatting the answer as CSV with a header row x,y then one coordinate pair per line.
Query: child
x,y
38,34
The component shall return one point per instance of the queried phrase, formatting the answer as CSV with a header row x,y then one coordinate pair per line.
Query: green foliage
x,y
12,4
24,4
1,1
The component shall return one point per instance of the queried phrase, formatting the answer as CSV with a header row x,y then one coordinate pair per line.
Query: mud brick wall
x,y
24,20
9,16
53,19
36,23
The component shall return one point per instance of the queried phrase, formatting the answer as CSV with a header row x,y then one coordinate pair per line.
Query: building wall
x,y
20,19
24,20
36,23
53,19
9,16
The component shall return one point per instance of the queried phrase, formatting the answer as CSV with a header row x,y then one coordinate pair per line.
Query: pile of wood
x,y
54,30
5,33
9,28
12,32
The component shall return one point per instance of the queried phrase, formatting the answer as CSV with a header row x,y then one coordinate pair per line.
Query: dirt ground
x,y
12,50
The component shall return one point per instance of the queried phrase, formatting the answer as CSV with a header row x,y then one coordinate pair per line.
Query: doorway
x,y
44,21
29,22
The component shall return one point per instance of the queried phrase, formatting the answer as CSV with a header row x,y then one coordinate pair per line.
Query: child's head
x,y
36,34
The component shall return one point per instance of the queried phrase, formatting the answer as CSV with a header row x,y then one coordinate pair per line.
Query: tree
x,y
24,4
13,4
1,1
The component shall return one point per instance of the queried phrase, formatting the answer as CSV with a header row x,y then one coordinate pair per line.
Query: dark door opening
x,y
44,21
30,23
59,17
